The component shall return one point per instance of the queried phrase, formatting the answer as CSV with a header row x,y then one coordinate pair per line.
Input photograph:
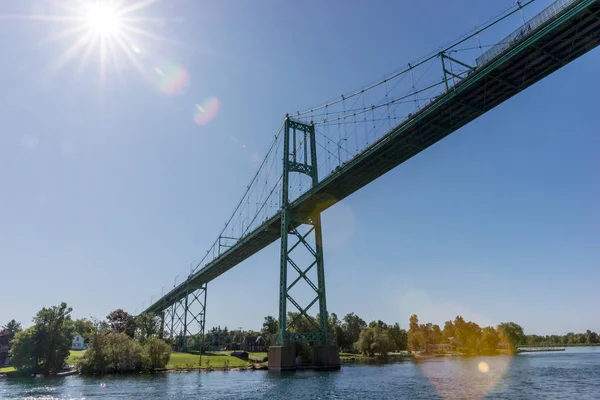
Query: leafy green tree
x,y
414,333
227,339
489,340
121,321
83,327
114,353
352,326
448,331
54,334
379,324
334,326
301,324
436,334
12,327
148,325
383,343
473,336
512,333
399,336
270,327
45,346
376,339
95,360
461,330
332,321
426,335
366,338
23,355
158,352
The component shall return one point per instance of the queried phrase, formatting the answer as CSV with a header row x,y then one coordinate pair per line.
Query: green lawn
x,y
259,353
178,360
74,356
186,360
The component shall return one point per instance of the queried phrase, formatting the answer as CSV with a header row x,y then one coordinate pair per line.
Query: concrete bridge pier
x,y
282,358
325,358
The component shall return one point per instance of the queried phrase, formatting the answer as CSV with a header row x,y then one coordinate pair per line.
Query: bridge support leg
x,y
303,235
187,319
162,324
195,319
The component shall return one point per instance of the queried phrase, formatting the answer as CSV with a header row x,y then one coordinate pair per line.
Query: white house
x,y
79,343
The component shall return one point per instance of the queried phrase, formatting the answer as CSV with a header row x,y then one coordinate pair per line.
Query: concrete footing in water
x,y
283,358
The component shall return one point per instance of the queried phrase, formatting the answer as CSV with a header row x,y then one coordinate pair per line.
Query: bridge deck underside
x,y
485,88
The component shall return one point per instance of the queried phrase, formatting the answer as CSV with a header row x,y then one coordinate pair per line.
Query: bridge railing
x,y
550,12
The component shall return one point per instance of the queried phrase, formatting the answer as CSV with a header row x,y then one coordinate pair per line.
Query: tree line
x,y
351,333
124,343
121,343
588,338
464,337
469,338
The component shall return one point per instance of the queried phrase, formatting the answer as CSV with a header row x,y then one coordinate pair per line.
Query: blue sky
x,y
109,189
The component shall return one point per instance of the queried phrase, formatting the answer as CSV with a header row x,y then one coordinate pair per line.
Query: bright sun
x,y
103,19
102,28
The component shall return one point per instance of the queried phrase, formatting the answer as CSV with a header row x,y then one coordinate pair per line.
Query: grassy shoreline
x,y
222,360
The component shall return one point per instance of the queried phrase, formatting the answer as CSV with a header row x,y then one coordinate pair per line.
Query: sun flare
x,y
114,32
103,19
114,37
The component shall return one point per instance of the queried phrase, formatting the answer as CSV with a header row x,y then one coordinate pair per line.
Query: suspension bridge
x,y
321,155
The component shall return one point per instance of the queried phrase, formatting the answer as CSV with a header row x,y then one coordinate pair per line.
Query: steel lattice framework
x,y
358,137
304,162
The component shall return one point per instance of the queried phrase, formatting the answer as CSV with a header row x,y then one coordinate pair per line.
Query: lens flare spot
x,y
207,111
483,367
171,79
465,378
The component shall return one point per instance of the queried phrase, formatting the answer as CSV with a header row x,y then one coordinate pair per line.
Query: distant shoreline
x,y
345,359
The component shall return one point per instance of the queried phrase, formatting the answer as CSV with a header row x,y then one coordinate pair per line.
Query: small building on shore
x,y
254,343
79,343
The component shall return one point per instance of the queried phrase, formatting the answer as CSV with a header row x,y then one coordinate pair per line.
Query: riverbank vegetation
x,y
44,347
464,337
115,352
122,343
587,338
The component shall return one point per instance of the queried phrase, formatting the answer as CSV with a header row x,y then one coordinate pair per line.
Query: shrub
x,y
158,352
112,353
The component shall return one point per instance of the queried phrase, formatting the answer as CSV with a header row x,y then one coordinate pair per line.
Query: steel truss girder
x,y
288,230
187,317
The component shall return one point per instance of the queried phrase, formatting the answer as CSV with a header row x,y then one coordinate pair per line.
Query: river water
x,y
572,374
